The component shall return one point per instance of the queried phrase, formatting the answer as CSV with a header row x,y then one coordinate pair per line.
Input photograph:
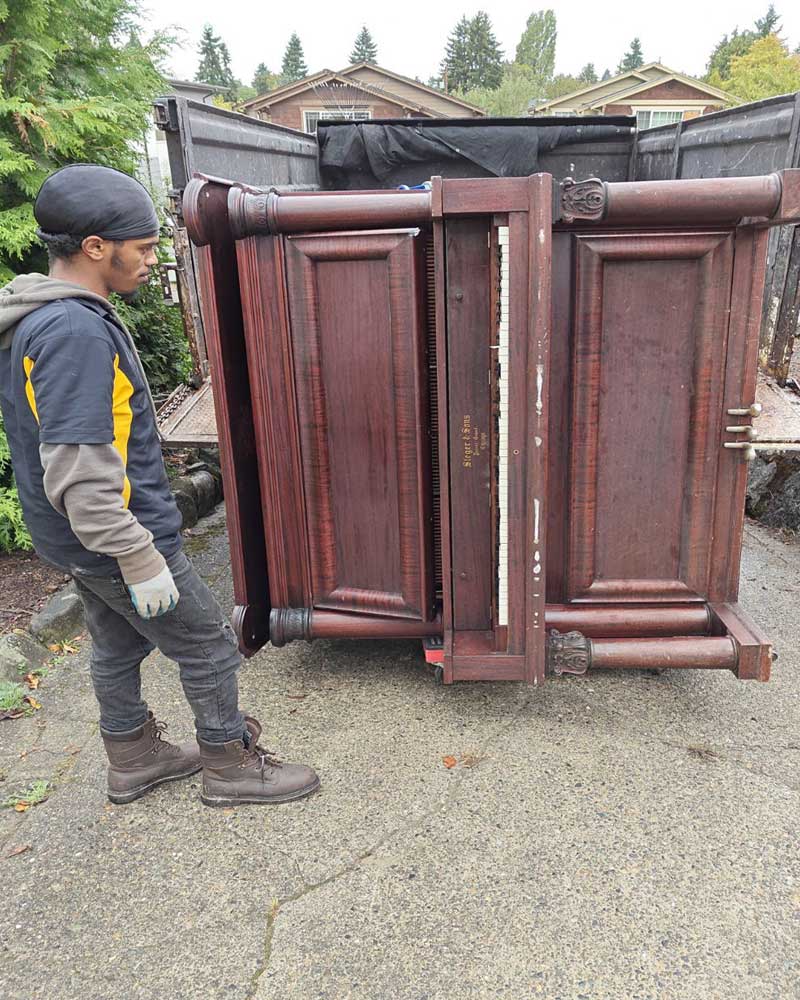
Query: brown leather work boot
x,y
234,773
141,759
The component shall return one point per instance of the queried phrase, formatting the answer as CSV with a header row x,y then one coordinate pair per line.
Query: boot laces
x,y
262,759
159,742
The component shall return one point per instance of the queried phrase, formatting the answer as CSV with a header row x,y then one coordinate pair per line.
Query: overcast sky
x,y
411,37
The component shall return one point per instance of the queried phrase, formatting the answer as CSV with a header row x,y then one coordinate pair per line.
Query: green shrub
x,y
13,533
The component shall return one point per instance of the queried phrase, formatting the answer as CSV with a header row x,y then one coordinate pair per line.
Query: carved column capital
x,y
583,201
568,653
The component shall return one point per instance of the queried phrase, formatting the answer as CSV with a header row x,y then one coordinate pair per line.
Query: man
x,y
85,448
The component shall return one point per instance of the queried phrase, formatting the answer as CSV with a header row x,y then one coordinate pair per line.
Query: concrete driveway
x,y
625,836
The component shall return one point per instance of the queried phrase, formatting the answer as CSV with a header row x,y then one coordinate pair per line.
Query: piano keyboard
x,y
502,430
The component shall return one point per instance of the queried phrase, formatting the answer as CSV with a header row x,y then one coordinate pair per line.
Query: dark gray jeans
x,y
194,634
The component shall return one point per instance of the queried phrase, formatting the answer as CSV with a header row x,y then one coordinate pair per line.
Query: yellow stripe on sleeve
x,y
27,364
123,418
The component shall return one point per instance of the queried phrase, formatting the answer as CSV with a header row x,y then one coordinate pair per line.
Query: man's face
x,y
127,266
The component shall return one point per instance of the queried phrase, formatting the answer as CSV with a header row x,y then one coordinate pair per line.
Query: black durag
x,y
85,199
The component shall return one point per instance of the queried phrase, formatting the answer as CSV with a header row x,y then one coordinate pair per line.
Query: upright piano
x,y
509,417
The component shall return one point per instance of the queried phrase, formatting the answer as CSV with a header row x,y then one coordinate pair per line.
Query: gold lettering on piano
x,y
474,442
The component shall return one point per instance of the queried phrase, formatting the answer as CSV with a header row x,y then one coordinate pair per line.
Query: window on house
x,y
353,114
653,117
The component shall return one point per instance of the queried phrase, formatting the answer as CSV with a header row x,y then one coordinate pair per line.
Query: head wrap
x,y
85,199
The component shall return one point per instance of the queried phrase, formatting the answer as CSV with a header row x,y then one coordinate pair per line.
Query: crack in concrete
x,y
403,829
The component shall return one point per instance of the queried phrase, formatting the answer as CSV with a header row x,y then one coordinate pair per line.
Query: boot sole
x,y
217,800
122,798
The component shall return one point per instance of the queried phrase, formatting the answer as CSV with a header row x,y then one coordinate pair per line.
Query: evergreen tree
x,y
78,92
588,74
537,47
737,44
472,58
263,79
606,74
487,56
293,66
215,62
455,68
633,58
364,49
769,23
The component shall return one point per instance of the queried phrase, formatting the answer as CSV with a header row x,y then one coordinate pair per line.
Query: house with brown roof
x,y
358,93
654,93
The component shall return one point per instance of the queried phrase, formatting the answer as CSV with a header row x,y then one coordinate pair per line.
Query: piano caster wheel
x,y
438,674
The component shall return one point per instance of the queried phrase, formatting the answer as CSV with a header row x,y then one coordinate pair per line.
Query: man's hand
x,y
156,596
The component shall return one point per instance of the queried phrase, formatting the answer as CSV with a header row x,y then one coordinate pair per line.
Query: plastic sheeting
x,y
387,154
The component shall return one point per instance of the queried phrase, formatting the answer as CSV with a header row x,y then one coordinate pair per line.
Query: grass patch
x,y
31,796
15,701
12,696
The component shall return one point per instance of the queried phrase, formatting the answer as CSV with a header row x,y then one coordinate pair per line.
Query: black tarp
x,y
383,154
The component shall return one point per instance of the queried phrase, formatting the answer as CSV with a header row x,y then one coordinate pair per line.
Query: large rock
x,y
783,508
187,505
60,619
760,474
19,654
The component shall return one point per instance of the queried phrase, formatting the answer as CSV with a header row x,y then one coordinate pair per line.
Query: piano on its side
x,y
509,417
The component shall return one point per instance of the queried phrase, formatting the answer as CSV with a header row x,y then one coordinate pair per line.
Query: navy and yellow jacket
x,y
82,432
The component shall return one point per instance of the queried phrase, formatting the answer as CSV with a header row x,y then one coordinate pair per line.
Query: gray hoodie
x,y
81,425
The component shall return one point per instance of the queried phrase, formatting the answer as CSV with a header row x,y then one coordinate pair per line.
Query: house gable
x,y
618,90
412,90
392,95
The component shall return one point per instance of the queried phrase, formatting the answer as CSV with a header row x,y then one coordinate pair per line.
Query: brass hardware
x,y
749,432
744,446
753,410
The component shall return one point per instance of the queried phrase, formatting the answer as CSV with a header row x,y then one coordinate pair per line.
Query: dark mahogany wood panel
x,y
469,336
355,301
205,205
560,416
269,348
750,254
650,341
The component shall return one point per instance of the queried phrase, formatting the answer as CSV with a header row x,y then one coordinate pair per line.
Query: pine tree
x,y
588,74
606,74
263,79
537,47
455,68
487,56
472,59
769,23
215,62
364,48
293,66
633,58
728,48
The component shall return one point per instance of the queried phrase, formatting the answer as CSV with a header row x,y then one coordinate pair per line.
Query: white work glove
x,y
154,597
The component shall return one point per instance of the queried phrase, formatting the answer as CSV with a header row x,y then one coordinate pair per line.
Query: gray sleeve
x,y
84,482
